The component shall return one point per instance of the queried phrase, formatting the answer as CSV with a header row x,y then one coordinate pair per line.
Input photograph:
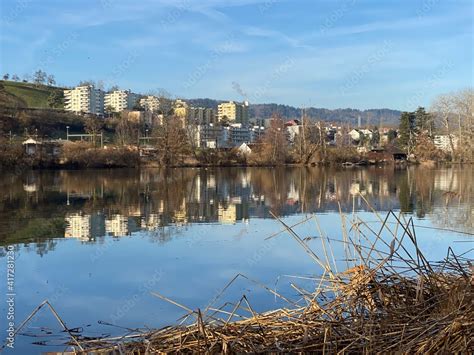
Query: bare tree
x,y
454,113
126,131
50,80
172,141
39,77
93,126
274,144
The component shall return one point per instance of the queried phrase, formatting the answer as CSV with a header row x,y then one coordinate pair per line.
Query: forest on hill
x,y
383,116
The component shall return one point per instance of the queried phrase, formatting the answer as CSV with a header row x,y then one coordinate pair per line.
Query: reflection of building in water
x,y
293,194
227,214
246,179
30,187
355,188
117,225
134,211
150,222
180,217
211,182
384,189
97,225
446,180
78,226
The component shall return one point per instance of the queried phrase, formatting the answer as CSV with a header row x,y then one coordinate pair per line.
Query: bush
x,y
83,155
11,154
341,155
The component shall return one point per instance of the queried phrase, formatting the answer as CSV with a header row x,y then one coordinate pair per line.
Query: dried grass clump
x,y
389,299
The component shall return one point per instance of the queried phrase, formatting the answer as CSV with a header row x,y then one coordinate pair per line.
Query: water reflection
x,y
88,205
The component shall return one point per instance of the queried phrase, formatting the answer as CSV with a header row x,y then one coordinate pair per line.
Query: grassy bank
x,y
27,95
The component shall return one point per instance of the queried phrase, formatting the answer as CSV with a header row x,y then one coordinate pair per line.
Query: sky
x,y
360,54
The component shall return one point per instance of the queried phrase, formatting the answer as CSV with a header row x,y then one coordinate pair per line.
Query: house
x,y
355,135
50,148
244,149
392,154
293,129
31,146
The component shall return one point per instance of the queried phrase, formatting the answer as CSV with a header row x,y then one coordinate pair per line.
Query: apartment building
x,y
84,99
202,115
216,136
233,112
181,109
120,100
443,142
78,226
150,103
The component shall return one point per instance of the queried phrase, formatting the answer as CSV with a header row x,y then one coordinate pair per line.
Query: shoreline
x,y
428,165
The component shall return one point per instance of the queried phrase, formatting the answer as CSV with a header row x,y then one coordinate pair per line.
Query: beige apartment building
x,y
84,99
233,112
181,109
120,100
150,103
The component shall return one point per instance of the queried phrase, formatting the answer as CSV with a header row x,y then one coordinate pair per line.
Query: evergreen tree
x,y
375,137
407,130
423,121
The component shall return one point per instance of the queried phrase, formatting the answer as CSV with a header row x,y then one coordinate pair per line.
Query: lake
x,y
96,243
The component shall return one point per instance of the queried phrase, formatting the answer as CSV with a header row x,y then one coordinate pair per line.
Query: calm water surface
x,y
95,243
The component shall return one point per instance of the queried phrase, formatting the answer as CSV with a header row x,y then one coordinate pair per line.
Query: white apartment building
x,y
117,225
78,226
216,136
150,103
443,142
120,100
84,99
234,112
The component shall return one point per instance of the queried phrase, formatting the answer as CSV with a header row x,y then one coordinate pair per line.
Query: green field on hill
x,y
27,94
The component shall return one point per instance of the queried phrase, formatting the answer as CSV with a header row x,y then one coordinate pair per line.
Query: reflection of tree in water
x,y
33,206
454,206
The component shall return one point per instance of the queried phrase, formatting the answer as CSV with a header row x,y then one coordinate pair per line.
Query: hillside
x,y
26,94
31,96
382,116
25,107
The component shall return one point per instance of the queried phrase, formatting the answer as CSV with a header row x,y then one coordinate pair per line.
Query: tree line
x,y
39,77
451,116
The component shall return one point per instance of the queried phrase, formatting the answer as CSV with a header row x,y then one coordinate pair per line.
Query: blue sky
x,y
323,53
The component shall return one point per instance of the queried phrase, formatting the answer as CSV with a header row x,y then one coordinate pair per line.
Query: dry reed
x,y
389,299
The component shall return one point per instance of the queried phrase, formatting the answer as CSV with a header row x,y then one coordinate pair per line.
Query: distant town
x,y
157,130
